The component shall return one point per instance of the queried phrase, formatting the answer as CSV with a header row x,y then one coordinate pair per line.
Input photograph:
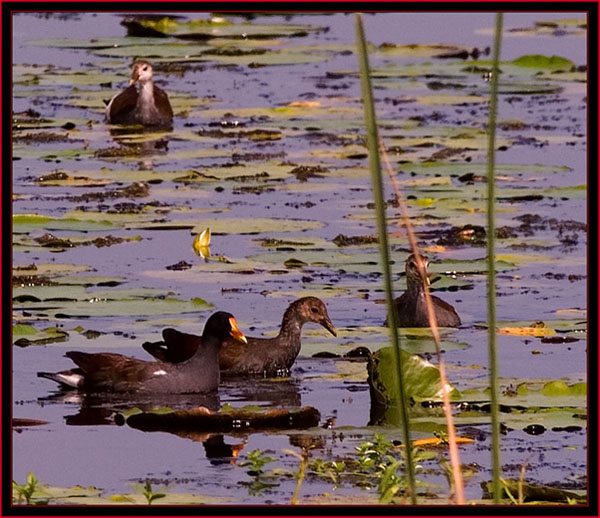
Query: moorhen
x,y
149,106
110,372
264,356
411,309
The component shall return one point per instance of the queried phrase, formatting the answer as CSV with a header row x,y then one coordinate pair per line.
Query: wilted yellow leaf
x,y
305,104
201,243
535,329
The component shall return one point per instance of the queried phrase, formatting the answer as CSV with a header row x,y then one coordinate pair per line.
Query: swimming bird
x,y
110,372
410,306
148,106
263,356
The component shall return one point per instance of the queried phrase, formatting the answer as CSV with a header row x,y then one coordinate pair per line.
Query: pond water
x,y
267,150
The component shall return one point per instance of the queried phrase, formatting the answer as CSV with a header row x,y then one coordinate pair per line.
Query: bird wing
x,y
121,105
110,371
161,99
177,346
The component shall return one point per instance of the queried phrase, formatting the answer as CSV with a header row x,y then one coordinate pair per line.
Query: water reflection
x,y
102,409
137,142
275,392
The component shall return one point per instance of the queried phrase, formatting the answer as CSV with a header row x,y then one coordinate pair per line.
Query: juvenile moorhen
x,y
264,356
110,372
149,106
411,309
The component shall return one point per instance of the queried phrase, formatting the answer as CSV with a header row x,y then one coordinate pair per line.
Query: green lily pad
x,y
421,382
29,222
48,269
43,337
534,493
94,43
451,100
539,61
224,226
23,330
271,58
165,52
433,168
76,301
422,50
221,28
78,495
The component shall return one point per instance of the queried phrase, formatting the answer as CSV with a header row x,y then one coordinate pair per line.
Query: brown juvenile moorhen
x,y
110,372
149,106
411,309
264,356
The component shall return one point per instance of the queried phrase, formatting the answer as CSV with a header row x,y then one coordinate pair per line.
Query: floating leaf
x,y
421,381
201,244
45,336
207,29
539,61
536,329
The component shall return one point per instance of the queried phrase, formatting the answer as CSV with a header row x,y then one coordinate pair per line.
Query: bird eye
x,y
314,310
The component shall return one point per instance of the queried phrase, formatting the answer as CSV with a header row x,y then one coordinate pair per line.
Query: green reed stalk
x,y
491,266
376,177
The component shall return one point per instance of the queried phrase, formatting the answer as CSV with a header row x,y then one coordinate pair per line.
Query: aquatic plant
x,y
491,270
147,492
26,491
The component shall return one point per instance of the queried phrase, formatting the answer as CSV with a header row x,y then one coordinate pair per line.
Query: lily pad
x,y
29,222
225,226
539,61
208,29
164,52
423,50
43,337
535,493
421,382
76,302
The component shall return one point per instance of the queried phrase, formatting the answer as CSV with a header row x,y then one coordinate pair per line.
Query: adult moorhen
x,y
411,309
110,372
264,356
149,106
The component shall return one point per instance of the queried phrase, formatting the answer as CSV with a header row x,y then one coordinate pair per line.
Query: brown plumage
x,y
110,372
410,307
265,356
148,105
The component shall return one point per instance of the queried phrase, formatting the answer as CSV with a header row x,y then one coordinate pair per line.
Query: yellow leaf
x,y
436,441
202,243
305,104
425,202
535,329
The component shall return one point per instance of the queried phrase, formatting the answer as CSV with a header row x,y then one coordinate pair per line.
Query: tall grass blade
x,y
491,266
459,496
376,177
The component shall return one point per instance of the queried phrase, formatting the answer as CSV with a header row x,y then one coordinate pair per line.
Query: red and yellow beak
x,y
235,331
134,76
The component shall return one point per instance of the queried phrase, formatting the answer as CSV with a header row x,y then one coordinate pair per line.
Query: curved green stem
x,y
375,166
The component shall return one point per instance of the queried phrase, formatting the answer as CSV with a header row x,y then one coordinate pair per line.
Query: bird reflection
x,y
137,142
102,409
107,409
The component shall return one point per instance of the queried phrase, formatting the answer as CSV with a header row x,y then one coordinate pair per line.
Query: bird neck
x,y
414,287
146,98
291,325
